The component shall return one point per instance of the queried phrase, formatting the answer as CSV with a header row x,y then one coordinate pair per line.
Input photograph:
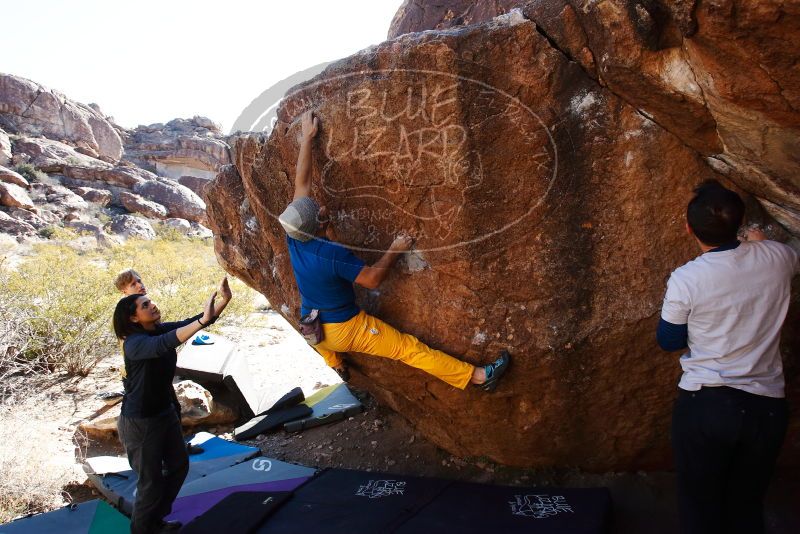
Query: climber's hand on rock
x,y
755,234
402,243
310,125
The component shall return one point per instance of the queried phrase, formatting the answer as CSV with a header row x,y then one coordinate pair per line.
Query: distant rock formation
x,y
32,109
543,161
74,145
181,147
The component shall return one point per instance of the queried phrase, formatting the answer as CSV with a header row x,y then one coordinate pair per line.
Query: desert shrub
x,y
30,173
57,304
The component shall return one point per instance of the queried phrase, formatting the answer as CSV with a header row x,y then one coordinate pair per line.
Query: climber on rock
x,y
729,420
325,272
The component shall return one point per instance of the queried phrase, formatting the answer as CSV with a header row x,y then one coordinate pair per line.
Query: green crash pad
x,y
329,404
93,517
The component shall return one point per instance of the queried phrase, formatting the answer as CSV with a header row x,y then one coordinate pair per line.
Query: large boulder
x,y
193,147
179,200
198,185
53,156
12,177
15,227
62,199
5,148
32,109
103,197
136,204
14,196
131,226
547,212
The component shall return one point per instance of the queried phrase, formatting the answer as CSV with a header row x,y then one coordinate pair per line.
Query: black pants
x,y
157,453
725,443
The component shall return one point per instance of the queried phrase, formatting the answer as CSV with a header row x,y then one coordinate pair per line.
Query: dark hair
x,y
123,326
715,213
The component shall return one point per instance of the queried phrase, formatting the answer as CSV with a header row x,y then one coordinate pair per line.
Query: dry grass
x,y
30,481
57,304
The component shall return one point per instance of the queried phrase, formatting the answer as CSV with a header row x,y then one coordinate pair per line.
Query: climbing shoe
x,y
495,370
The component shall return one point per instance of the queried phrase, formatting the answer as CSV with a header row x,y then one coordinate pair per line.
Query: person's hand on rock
x,y
402,243
310,125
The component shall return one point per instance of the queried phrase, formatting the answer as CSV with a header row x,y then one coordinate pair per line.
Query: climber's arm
x,y
371,276
302,176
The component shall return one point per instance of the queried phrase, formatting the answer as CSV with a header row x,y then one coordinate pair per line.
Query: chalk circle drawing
x,y
540,506
410,124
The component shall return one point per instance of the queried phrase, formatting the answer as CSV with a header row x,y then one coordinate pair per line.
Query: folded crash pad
x,y
329,404
114,478
271,421
257,474
93,517
252,400
205,363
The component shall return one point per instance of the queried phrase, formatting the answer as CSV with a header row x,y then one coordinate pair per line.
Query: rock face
x,y
14,226
136,204
10,177
29,108
5,148
719,75
130,226
52,140
193,147
414,16
14,196
53,156
180,201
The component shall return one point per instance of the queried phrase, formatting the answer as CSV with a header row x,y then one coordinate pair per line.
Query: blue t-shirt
x,y
325,272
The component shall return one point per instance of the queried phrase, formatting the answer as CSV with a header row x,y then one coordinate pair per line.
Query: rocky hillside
x,y
63,163
543,160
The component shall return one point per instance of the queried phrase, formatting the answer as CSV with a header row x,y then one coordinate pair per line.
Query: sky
x,y
152,61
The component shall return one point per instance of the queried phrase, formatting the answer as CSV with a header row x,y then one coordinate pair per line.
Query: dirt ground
x,y
44,426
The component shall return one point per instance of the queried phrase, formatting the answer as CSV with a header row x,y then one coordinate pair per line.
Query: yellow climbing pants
x,y
368,335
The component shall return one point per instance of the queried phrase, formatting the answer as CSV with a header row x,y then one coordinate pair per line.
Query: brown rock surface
x,y
131,226
548,213
720,75
136,204
32,109
5,148
418,15
97,196
180,201
15,227
13,196
11,177
53,156
198,185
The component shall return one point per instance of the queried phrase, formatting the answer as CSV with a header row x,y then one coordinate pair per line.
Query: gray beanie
x,y
299,219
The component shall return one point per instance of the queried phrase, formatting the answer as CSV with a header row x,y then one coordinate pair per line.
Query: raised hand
x,y
224,290
210,308
310,125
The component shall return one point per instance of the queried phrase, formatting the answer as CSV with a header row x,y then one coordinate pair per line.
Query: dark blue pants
x,y
725,442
